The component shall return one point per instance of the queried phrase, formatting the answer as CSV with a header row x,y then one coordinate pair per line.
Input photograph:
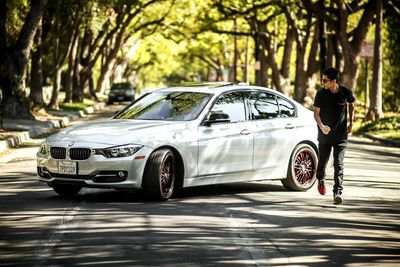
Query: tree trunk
x,y
350,71
56,83
300,81
69,77
322,38
56,69
257,69
375,96
71,61
77,95
276,74
287,55
92,91
36,92
15,59
105,72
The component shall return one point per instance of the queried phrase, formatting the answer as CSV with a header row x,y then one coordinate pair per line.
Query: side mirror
x,y
217,117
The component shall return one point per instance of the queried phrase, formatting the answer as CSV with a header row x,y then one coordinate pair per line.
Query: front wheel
x,y
302,169
159,175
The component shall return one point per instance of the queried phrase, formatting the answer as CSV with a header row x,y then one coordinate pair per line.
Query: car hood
x,y
113,132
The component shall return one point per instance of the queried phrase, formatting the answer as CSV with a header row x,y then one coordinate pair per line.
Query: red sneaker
x,y
321,187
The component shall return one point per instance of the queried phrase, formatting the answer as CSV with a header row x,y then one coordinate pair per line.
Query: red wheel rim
x,y
167,175
304,167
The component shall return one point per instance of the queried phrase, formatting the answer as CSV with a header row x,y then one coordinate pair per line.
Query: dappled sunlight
x,y
241,224
231,227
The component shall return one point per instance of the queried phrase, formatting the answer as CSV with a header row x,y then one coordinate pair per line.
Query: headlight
x,y
118,151
44,149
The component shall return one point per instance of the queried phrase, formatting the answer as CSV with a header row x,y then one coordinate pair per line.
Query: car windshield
x,y
166,105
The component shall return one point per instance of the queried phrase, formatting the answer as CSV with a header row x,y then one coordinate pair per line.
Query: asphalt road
x,y
246,224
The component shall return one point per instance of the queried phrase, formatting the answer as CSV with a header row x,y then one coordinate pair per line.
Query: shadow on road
x,y
226,225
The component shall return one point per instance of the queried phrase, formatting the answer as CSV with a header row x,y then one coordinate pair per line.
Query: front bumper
x,y
96,171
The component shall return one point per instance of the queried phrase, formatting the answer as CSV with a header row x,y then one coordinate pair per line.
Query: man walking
x,y
330,113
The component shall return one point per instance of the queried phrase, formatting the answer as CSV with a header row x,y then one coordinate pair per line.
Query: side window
x,y
263,106
286,109
231,104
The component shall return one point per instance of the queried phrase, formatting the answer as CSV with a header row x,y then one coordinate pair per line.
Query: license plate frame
x,y
68,167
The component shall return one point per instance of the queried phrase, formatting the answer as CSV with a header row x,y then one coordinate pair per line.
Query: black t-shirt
x,y
333,113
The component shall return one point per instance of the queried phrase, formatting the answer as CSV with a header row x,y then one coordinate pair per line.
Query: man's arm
x,y
324,128
351,117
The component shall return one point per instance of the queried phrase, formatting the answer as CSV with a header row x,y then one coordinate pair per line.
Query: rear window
x,y
118,86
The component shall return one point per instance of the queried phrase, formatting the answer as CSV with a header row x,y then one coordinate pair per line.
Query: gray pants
x,y
338,157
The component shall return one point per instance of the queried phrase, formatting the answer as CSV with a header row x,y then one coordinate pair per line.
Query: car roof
x,y
216,87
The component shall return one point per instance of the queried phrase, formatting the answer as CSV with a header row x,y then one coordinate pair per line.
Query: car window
x,y
164,105
263,106
121,86
286,109
231,104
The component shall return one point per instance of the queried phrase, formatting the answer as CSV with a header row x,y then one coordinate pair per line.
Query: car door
x,y
274,131
226,147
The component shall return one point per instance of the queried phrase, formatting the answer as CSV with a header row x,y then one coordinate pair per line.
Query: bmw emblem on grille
x,y
71,144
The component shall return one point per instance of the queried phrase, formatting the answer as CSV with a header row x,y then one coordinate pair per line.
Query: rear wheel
x,y
302,169
159,175
66,190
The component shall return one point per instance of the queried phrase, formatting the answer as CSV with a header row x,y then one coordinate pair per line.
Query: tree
x,y
67,17
36,80
144,18
302,24
375,98
391,88
350,37
15,57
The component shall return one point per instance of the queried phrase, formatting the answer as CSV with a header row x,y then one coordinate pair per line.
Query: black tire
x,y
66,190
159,175
302,169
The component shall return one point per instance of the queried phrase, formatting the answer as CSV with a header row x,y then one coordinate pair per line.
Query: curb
x,y
31,128
14,141
382,140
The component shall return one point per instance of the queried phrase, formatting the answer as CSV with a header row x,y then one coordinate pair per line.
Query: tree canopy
x,y
82,47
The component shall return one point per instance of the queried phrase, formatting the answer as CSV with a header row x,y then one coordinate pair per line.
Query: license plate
x,y
68,167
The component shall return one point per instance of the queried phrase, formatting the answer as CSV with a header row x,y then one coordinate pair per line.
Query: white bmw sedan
x,y
186,136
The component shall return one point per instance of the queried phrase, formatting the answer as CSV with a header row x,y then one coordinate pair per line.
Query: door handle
x,y
289,126
245,132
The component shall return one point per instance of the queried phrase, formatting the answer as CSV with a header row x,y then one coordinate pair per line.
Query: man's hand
x,y
325,129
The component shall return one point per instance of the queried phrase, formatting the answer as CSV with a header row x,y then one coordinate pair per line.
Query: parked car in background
x,y
187,136
121,92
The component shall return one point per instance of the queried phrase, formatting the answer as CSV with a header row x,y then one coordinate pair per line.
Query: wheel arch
x,y
310,143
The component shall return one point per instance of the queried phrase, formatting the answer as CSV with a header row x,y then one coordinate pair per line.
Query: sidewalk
x,y
19,131
382,140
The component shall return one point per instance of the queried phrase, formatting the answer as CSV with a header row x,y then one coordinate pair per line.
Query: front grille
x,y
58,152
74,153
79,153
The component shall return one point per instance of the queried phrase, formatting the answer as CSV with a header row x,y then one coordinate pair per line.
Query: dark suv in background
x,y
121,92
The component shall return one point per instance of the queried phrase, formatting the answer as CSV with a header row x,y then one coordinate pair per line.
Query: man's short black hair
x,y
332,74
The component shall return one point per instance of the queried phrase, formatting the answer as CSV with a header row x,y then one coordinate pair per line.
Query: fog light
x,y
122,174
